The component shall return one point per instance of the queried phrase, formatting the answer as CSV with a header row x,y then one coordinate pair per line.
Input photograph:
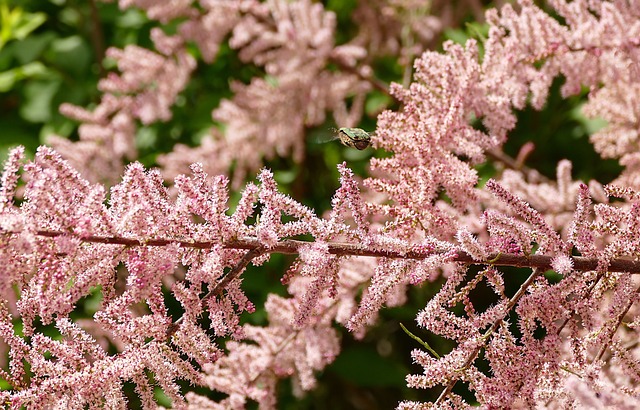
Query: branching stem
x,y
617,324
485,338
226,279
292,246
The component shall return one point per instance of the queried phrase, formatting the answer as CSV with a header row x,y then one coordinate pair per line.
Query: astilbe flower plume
x,y
434,146
144,91
295,44
72,242
558,340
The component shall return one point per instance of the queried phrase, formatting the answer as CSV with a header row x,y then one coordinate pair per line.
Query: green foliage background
x,y
52,52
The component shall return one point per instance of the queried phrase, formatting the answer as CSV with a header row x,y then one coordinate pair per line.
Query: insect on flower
x,y
353,137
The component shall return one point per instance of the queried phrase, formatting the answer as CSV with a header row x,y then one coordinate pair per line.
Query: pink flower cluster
x,y
567,337
63,243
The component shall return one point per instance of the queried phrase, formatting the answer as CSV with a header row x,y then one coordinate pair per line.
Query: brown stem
x,y
593,285
472,356
511,163
97,36
226,279
234,272
612,331
292,246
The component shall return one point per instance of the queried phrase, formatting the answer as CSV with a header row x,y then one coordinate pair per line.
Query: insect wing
x,y
321,137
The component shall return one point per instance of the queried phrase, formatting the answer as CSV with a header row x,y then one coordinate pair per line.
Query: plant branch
x,y
474,353
618,322
591,287
516,165
97,36
292,246
375,82
226,279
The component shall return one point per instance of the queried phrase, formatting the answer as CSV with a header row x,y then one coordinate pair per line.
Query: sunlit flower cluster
x,y
560,333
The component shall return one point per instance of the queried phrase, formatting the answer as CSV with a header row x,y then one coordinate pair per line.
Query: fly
x,y
353,137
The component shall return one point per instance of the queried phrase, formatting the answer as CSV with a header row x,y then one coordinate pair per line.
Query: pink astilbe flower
x,y
389,283
79,242
348,200
10,178
251,369
323,268
596,48
55,199
508,235
544,234
555,200
106,138
470,245
210,27
294,42
154,79
566,337
195,343
397,27
562,264
580,234
270,227
445,368
432,132
604,397
590,305
145,90
618,225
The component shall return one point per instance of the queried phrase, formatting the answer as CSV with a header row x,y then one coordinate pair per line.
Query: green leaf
x,y
72,54
132,19
30,49
472,30
161,397
7,80
29,22
284,177
32,70
477,30
376,103
456,35
16,24
146,137
591,125
60,126
38,100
